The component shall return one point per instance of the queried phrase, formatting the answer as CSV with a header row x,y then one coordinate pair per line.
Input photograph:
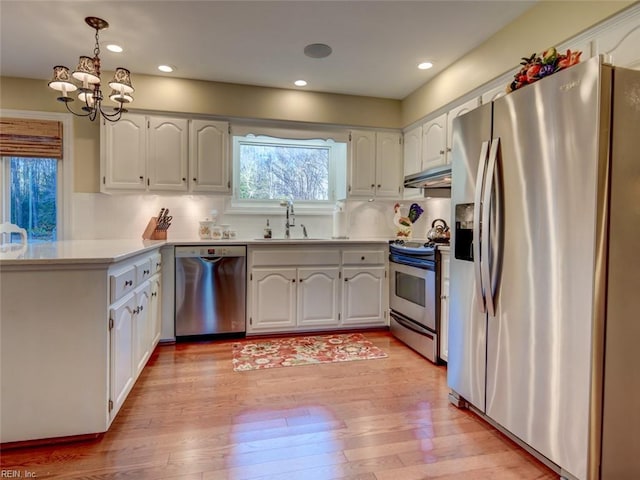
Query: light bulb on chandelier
x,y
87,73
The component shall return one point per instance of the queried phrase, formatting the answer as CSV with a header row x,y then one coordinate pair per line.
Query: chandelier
x,y
87,73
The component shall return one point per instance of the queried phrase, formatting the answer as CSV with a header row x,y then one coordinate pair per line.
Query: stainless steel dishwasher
x,y
210,290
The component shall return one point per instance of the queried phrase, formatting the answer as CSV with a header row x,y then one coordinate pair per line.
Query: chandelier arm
x,y
112,117
66,104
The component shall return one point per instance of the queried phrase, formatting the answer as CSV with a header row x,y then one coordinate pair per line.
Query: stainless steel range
x,y
414,293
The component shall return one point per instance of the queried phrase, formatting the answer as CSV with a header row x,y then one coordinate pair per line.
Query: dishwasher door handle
x,y
211,259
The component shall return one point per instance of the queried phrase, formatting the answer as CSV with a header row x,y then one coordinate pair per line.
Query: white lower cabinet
x,y
122,375
318,297
155,309
363,296
142,321
134,324
313,289
444,305
273,299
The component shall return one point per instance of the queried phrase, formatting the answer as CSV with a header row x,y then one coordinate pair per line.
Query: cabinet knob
x,y
128,283
346,279
153,294
141,178
362,258
293,280
441,152
448,149
184,179
379,185
195,179
373,185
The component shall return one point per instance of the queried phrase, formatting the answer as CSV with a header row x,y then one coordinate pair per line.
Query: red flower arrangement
x,y
536,67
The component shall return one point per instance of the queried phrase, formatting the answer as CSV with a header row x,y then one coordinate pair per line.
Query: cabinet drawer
x,y
156,263
143,270
121,283
295,257
363,257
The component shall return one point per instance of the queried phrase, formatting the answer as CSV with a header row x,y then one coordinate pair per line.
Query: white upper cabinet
x,y
455,113
622,44
434,142
493,94
412,150
362,164
375,164
167,154
124,153
389,177
164,154
208,159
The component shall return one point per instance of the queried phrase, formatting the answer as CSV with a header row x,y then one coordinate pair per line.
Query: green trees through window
x,y
270,172
33,184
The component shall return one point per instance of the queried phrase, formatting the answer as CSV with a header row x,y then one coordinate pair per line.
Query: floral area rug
x,y
292,351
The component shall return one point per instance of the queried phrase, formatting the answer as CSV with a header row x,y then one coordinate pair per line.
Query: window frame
x,y
336,142
64,185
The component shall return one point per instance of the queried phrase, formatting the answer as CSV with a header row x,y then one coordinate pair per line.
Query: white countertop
x,y
110,251
278,241
75,251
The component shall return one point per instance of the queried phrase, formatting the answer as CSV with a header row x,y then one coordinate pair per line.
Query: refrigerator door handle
x,y
485,264
477,208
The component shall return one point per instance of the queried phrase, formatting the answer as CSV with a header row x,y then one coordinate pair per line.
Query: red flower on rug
x,y
293,351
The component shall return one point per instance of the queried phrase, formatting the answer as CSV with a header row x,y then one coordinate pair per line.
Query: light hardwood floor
x,y
191,417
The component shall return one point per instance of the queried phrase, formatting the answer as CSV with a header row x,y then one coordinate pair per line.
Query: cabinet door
x,y
620,44
362,163
363,296
121,371
493,94
155,311
388,164
123,153
168,150
141,332
209,156
413,151
434,142
444,306
273,299
455,113
318,297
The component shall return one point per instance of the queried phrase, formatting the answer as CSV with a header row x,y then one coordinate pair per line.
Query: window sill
x,y
241,208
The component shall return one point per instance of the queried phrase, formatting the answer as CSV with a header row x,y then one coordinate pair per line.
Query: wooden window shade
x,y
22,137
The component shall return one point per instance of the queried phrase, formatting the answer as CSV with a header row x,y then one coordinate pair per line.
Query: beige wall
x,y
206,98
546,24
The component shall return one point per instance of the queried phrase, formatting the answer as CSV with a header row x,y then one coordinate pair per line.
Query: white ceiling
x,y
376,44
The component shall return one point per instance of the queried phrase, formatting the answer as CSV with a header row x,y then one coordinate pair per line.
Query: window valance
x,y
22,137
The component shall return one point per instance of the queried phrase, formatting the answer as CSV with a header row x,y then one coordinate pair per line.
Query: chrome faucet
x,y
291,217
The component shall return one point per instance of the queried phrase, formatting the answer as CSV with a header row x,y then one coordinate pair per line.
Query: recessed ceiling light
x,y
317,50
425,65
300,83
165,68
114,48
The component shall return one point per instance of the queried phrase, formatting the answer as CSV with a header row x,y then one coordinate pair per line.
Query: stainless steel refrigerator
x,y
544,325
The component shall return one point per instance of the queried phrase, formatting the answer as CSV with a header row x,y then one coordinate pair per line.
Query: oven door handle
x,y
411,325
403,261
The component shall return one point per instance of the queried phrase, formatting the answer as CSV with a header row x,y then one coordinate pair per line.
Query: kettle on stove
x,y
439,231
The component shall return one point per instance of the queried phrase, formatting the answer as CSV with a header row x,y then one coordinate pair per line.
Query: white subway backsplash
x,y
100,216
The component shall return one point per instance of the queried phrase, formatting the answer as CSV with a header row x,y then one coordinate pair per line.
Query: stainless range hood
x,y
436,181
